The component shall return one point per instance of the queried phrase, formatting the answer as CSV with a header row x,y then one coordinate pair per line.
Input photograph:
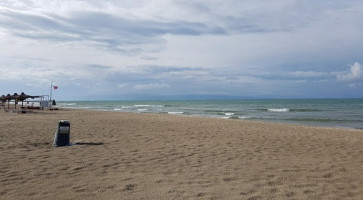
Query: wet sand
x,y
158,156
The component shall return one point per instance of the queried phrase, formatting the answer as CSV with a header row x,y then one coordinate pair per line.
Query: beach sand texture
x,y
160,156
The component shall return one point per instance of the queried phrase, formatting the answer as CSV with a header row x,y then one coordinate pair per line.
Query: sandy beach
x,y
159,156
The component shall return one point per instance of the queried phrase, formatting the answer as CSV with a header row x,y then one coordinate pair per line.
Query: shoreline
x,y
311,112
214,117
184,115
152,156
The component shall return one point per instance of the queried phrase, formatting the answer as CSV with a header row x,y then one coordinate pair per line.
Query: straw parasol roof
x,y
3,98
23,97
8,98
17,98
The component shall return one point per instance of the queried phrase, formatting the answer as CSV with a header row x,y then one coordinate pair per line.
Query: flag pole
x,y
51,90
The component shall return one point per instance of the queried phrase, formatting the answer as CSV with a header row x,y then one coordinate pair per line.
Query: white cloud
x,y
307,74
353,74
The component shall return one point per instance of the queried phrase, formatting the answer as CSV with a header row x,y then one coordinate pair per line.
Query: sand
x,y
159,156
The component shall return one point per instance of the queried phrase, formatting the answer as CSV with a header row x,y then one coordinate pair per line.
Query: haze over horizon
x,y
174,49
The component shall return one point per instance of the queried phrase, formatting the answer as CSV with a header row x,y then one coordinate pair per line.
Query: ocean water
x,y
346,113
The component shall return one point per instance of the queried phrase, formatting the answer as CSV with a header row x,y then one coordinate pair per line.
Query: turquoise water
x,y
346,113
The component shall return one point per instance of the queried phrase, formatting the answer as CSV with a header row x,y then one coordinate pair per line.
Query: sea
x,y
342,113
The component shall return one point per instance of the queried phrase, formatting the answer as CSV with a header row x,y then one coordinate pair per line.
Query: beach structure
x,y
8,98
41,100
15,97
3,100
23,97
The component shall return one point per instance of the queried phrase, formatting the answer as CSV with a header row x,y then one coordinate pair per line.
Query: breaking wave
x,y
278,110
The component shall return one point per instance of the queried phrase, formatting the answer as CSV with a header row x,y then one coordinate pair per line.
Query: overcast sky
x,y
143,49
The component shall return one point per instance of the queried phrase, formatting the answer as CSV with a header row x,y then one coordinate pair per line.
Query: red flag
x,y
55,87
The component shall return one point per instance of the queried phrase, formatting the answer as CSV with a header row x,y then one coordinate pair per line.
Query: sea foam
x,y
175,113
278,110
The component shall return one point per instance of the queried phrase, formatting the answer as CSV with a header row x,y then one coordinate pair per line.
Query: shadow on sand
x,y
88,143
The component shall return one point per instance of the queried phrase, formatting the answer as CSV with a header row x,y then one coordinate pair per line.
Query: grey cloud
x,y
21,21
146,74
308,74
194,6
171,69
127,35
112,32
298,43
97,22
97,67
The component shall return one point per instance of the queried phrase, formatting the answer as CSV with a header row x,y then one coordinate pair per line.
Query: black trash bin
x,y
61,137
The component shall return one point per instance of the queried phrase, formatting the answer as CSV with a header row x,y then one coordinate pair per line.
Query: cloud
x,y
119,27
352,75
151,86
307,74
99,29
123,85
172,47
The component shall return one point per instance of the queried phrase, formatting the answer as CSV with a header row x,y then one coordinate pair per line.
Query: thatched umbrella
x,y
23,97
15,97
3,99
8,98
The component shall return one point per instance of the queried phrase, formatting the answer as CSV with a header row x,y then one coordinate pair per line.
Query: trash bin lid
x,y
64,123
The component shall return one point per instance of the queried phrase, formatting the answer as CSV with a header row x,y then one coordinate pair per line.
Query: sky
x,y
175,49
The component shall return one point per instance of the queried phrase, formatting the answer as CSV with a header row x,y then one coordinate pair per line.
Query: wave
x,y
245,117
142,105
304,110
234,117
146,105
278,110
219,111
67,104
312,112
175,113
289,110
170,106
